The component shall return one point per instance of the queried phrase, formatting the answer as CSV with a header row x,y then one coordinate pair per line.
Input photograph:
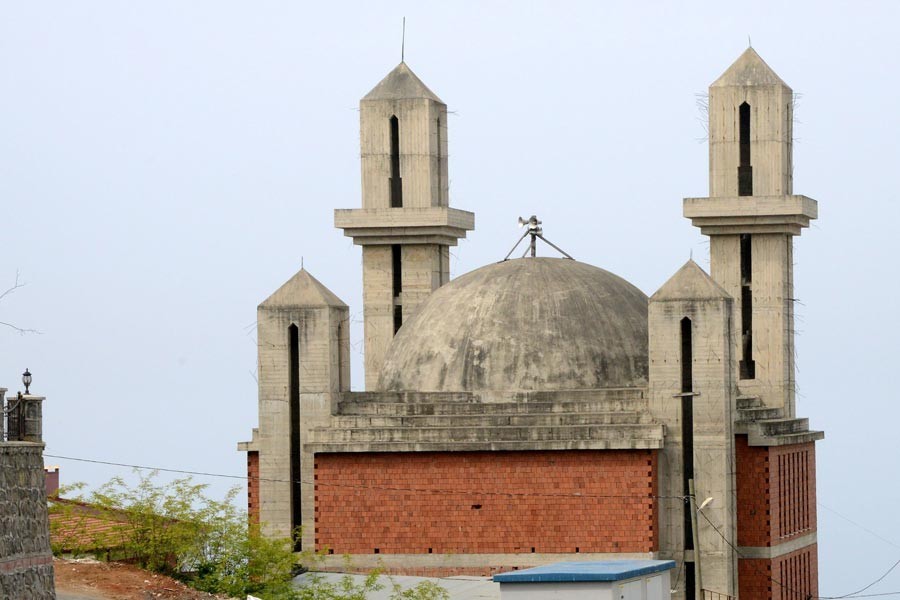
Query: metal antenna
x,y
535,230
749,43
403,42
301,262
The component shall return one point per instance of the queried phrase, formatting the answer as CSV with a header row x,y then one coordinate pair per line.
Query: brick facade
x,y
253,485
776,501
776,492
793,576
487,502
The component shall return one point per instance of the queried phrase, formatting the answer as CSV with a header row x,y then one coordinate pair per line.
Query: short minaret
x,y
692,394
751,218
405,225
304,365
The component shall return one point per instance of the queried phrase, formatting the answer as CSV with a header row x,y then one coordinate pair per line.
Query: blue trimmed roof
x,y
606,570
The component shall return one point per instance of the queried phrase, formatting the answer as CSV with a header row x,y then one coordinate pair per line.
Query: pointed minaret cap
x,y
401,84
749,70
302,290
690,282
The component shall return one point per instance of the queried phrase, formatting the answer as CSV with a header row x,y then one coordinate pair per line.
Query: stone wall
x,y
26,563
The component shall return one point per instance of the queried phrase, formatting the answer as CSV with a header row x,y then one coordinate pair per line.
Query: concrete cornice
x,y
770,552
406,225
751,214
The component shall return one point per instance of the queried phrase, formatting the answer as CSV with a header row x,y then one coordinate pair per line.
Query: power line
x,y
808,596
864,528
372,487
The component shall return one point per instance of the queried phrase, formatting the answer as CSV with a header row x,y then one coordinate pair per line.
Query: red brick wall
x,y
755,579
776,492
776,499
793,491
754,526
487,502
253,486
794,576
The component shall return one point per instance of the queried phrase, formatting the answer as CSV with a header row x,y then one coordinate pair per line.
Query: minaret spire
x,y
751,217
405,225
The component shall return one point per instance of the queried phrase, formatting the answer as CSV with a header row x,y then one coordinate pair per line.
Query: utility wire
x,y
372,487
856,594
799,594
864,528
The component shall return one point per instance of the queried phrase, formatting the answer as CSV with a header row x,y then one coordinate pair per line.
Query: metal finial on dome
x,y
535,231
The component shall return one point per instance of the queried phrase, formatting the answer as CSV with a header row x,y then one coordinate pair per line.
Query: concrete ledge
x,y
751,214
779,549
755,439
485,446
751,206
407,225
252,445
398,562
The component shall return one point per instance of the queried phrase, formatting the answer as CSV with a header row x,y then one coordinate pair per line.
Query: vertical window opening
x,y
397,276
745,171
398,318
294,402
440,174
747,365
340,356
396,182
687,437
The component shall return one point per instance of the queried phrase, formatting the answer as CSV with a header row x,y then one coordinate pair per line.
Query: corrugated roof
x,y
598,570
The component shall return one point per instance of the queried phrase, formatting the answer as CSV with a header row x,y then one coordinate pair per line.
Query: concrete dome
x,y
525,324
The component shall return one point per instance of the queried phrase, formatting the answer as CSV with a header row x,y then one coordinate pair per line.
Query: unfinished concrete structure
x,y
542,409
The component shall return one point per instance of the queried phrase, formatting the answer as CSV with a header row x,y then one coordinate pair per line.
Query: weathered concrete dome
x,y
526,324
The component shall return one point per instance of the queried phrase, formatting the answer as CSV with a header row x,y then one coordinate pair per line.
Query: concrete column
x,y
692,294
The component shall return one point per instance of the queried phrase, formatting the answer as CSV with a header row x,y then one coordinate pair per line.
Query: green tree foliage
x,y
174,528
317,587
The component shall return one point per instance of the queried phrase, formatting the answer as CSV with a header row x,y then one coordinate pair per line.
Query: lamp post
x,y
26,380
695,510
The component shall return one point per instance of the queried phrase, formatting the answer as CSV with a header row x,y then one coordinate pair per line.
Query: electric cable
x,y
372,487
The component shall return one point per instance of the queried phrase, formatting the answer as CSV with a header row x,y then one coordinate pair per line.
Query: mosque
x,y
542,409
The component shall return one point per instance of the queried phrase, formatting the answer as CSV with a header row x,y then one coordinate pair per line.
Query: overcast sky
x,y
165,165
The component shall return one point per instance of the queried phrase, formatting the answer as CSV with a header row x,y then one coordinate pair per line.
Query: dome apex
x,y
523,324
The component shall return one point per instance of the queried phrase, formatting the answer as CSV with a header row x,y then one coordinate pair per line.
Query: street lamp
x,y
26,379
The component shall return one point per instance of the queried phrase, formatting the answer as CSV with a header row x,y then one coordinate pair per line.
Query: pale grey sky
x,y
165,165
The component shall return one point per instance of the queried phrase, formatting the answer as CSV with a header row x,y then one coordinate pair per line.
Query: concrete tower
x,y
751,218
303,365
692,393
405,225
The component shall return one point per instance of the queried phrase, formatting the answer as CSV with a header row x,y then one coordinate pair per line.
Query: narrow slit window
x,y
747,365
340,356
395,180
745,171
397,276
294,409
440,174
687,437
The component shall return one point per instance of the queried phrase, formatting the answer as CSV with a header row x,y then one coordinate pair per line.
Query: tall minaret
x,y
751,218
406,225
